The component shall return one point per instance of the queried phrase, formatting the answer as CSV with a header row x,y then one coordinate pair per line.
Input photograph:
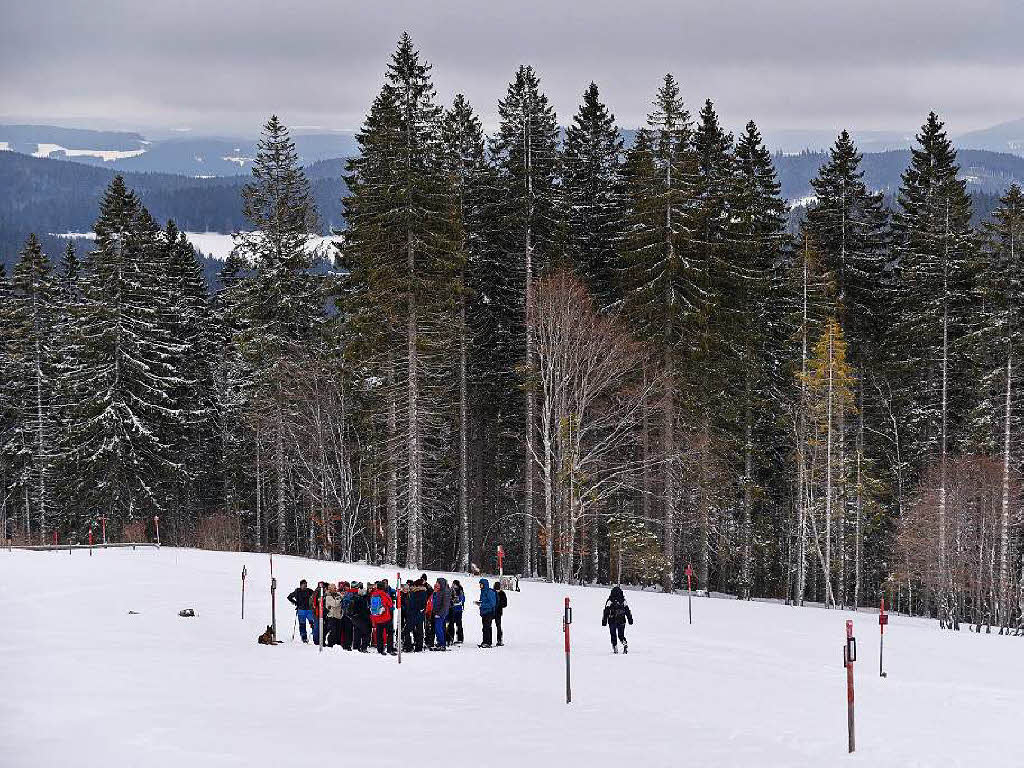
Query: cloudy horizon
x,y
222,67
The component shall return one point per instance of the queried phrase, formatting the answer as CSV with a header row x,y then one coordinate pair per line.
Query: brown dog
x,y
267,638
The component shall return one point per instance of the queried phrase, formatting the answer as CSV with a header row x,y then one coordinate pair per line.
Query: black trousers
x,y
617,629
412,636
453,631
333,632
386,631
487,619
497,626
428,621
346,633
360,634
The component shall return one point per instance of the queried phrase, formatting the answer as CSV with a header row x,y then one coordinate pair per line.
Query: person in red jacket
x,y
381,617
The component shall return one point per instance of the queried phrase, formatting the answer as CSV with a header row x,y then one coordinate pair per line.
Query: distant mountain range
x,y
52,196
198,156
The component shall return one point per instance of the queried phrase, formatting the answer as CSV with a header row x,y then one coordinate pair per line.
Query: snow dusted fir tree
x,y
280,302
661,283
934,246
592,195
404,267
525,154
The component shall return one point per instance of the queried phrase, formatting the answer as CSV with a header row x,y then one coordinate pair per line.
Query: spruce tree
x,y
933,246
662,282
525,155
592,195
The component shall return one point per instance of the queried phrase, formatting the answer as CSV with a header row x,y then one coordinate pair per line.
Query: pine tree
x,y
121,394
592,195
759,220
997,415
29,448
933,245
403,262
526,159
662,281
280,301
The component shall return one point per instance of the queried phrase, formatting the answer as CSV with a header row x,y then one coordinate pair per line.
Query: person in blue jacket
x,y
453,631
488,602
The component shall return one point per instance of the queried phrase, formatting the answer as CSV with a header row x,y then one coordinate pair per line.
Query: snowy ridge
x,y
748,684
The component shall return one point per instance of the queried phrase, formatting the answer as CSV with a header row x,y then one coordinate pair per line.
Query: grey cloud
x,y
225,64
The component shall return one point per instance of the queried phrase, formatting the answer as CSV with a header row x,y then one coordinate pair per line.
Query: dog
x,y
267,638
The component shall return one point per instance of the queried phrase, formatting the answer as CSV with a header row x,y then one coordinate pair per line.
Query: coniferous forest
x,y
614,362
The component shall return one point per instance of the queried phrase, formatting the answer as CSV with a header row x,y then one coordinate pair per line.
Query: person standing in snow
x,y
442,604
488,602
453,629
359,615
616,614
381,606
332,613
417,612
302,599
500,603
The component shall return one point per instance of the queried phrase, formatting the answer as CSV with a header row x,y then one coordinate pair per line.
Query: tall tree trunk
x,y
391,491
279,474
463,559
412,547
828,469
1004,511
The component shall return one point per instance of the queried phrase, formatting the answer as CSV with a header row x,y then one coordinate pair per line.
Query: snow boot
x,y
484,645
498,644
625,647
615,649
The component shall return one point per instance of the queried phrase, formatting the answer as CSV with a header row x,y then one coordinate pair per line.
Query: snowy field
x,y
86,684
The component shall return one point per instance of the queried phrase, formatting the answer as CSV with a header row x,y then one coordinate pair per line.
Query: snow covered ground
x,y
83,683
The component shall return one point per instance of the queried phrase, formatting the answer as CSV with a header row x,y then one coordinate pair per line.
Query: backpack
x,y
346,602
616,612
376,606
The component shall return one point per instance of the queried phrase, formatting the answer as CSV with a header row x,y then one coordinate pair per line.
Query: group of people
x,y
355,616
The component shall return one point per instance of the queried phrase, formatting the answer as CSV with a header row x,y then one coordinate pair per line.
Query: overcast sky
x,y
224,65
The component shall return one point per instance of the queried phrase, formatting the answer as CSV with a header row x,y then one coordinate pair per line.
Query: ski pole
x,y
566,621
689,591
243,593
295,625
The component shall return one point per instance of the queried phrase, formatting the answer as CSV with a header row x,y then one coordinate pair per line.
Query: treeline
x,y
612,362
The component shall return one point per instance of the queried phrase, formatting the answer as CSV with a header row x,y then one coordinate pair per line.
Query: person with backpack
x,y
302,599
442,604
332,615
382,619
346,592
488,602
359,615
417,613
616,614
500,602
453,629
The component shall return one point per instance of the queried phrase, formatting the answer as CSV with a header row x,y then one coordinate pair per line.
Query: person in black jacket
x,y
302,599
360,617
616,614
501,602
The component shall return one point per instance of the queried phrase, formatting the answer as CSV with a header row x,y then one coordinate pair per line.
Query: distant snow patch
x,y
5,146
240,159
107,155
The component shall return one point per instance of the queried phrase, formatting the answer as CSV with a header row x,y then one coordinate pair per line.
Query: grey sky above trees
x,y
223,65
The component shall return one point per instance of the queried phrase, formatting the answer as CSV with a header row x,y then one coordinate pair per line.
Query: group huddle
x,y
355,616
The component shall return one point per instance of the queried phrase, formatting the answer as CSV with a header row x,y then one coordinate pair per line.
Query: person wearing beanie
x,y
441,605
616,614
487,603
359,615
453,629
500,602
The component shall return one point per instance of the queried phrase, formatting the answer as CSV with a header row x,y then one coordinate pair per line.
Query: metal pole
x,y
883,619
849,656
156,522
243,593
689,591
273,605
398,585
90,542
566,621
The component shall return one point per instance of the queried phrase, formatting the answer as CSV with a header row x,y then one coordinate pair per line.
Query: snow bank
x,y
749,684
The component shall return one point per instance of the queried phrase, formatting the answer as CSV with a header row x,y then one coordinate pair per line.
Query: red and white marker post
x,y
883,619
398,623
156,523
55,538
849,656
501,561
689,590
103,526
566,621
273,597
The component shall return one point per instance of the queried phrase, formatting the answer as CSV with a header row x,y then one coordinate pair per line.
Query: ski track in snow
x,y
749,684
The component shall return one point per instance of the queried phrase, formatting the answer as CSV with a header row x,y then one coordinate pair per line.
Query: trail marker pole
x,y
156,522
883,619
54,538
566,621
90,542
322,589
243,593
273,605
849,657
689,590
398,623
501,560
103,524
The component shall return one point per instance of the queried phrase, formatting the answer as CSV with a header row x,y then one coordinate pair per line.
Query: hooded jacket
x,y
458,600
616,611
488,600
333,605
385,600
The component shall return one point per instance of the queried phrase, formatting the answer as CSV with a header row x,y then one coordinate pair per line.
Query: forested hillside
x,y
616,362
